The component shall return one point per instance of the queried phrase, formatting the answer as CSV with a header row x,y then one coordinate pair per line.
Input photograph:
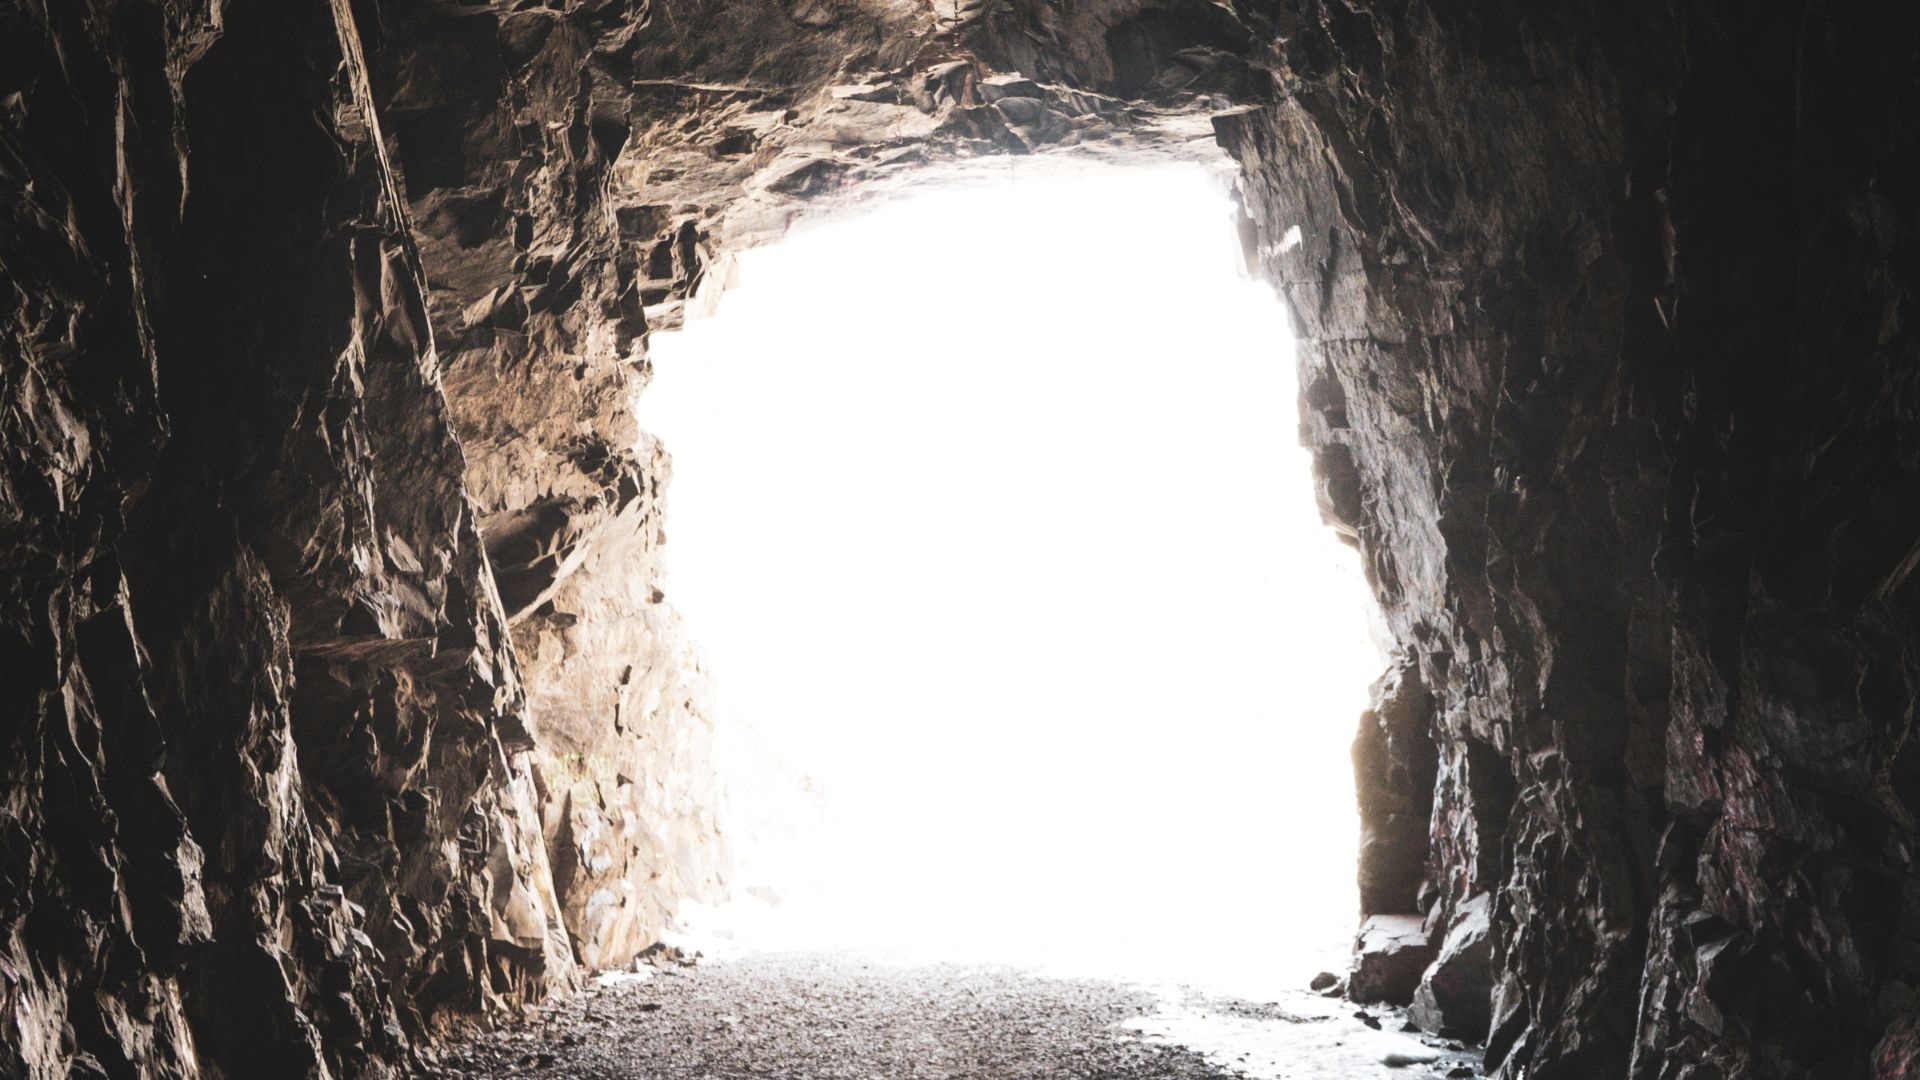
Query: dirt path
x,y
809,1017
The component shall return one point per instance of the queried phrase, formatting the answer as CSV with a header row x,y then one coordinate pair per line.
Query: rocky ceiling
x,y
341,699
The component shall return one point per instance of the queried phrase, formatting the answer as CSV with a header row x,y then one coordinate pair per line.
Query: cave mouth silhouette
x,y
989,517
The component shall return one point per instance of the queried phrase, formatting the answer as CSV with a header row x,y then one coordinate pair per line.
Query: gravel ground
x,y
817,1017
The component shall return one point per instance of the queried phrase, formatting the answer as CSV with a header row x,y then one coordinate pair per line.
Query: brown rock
x,y
332,612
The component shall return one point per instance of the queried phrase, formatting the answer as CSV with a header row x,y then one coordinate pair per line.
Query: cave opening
x,y
990,519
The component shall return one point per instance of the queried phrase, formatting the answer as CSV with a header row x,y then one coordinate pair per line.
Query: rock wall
x,y
341,694
1611,379
266,803
342,697
508,127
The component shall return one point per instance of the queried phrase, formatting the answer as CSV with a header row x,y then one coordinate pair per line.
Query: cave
x,y
345,704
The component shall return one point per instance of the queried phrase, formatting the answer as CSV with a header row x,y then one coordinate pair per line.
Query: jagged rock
x,y
662,955
1608,366
1898,1055
1538,301
1456,992
1389,955
265,812
327,328
1394,762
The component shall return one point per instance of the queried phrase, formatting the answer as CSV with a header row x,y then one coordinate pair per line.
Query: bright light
x,y
989,515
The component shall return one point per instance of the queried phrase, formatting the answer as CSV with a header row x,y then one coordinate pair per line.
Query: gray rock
x,y
1390,953
1456,992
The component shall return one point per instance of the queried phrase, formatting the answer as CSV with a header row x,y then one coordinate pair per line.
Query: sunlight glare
x,y
989,515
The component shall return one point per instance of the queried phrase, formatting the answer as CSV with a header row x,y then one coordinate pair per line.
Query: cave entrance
x,y
989,517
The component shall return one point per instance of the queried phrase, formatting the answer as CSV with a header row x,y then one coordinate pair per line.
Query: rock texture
x,y
1456,990
341,694
855,1016
1389,955
1610,376
838,1017
267,804
506,128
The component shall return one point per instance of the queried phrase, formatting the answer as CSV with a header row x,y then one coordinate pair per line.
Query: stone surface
x,y
1898,1055
1610,354
1455,994
267,808
1394,764
1389,954
857,1016
341,694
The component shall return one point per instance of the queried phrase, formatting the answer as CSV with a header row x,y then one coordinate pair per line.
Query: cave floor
x,y
854,1017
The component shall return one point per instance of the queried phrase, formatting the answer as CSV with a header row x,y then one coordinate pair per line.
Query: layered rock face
x,y
341,692
506,128
334,597
1611,378
267,804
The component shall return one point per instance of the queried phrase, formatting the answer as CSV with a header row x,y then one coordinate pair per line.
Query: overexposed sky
x,y
989,515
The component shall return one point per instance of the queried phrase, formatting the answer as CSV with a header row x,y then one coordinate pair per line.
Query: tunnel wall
x,y
267,805
341,696
507,128
1610,374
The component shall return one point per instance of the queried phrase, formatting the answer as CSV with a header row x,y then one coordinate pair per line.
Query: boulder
x,y
1455,995
1897,1057
1390,954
